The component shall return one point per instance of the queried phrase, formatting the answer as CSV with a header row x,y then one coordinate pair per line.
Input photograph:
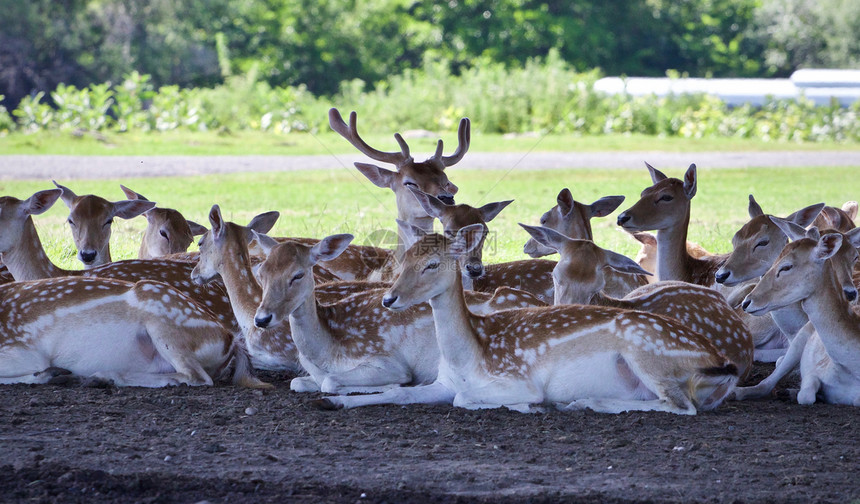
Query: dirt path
x,y
78,167
230,445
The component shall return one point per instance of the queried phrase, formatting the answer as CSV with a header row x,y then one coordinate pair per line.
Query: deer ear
x,y
40,202
853,237
813,233
468,239
624,264
605,205
68,195
850,208
827,246
656,175
379,176
196,229
565,201
546,236
330,247
216,221
754,208
792,230
131,194
806,216
129,209
431,204
264,222
491,210
690,182
264,241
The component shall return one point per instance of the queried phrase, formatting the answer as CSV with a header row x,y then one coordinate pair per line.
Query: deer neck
x,y
242,288
790,319
601,299
424,223
455,334
310,334
27,259
673,261
837,324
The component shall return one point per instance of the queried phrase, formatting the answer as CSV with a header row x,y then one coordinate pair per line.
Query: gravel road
x,y
94,167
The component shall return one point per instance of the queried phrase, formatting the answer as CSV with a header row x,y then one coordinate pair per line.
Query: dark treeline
x,y
321,43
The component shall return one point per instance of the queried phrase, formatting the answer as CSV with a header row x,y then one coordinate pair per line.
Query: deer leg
x,y
518,396
23,366
783,366
375,376
434,393
809,386
304,384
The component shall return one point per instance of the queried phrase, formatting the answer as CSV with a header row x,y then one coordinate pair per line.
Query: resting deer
x,y
167,231
90,218
842,263
665,207
573,219
144,334
576,357
831,357
224,252
23,254
580,277
428,176
352,345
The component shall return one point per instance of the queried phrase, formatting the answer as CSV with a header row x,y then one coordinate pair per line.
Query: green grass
x,y
246,143
324,202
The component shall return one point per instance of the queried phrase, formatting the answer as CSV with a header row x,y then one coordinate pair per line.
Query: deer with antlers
x,y
428,176
580,277
831,357
23,254
167,230
144,334
90,218
575,357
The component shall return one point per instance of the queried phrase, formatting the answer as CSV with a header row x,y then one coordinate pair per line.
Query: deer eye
x,y
108,222
431,266
666,197
762,243
297,276
783,269
163,234
409,183
71,222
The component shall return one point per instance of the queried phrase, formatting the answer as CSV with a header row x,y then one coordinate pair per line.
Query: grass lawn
x,y
246,143
324,202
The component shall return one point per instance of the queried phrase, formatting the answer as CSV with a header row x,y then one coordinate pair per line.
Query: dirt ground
x,y
227,445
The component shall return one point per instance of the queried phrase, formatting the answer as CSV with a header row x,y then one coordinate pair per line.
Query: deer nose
x,y
722,276
623,218
446,198
388,301
746,304
850,294
475,270
88,256
263,322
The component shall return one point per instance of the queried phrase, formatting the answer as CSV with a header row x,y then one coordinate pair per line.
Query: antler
x,y
351,134
464,138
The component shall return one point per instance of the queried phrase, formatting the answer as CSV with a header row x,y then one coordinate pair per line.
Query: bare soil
x,y
224,444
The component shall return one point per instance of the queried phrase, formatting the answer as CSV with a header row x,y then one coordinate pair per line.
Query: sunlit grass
x,y
318,203
257,143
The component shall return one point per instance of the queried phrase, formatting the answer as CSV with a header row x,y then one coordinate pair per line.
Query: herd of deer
x,y
428,321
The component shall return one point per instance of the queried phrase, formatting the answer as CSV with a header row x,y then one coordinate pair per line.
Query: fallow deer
x,y
167,230
831,357
665,207
22,253
353,345
428,176
144,334
90,218
580,277
575,357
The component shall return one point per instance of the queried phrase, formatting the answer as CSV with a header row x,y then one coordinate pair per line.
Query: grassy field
x,y
325,202
247,143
